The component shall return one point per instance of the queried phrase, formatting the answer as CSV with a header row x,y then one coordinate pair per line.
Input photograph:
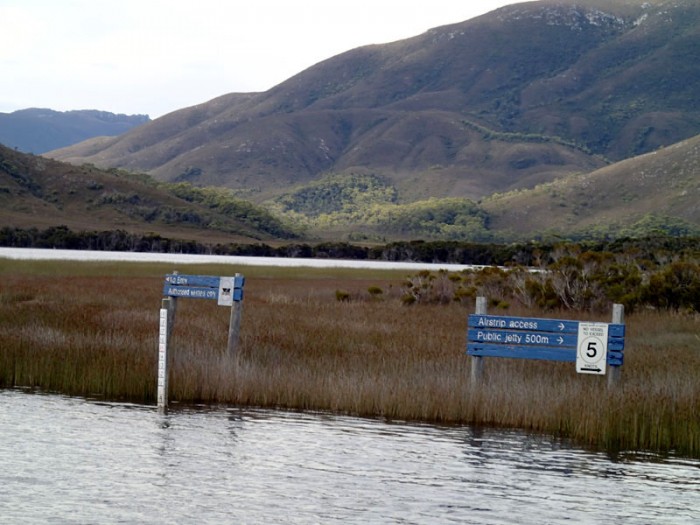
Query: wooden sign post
x,y
227,291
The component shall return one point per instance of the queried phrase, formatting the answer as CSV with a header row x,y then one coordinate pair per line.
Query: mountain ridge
x,y
39,130
599,79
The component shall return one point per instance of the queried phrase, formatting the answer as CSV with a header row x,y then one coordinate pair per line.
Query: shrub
x,y
676,286
342,295
375,291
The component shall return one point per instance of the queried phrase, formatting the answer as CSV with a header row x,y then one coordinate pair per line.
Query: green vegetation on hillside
x,y
222,201
520,137
648,224
368,203
449,219
344,195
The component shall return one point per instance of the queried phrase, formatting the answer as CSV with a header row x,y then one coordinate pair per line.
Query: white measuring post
x,y
163,336
477,369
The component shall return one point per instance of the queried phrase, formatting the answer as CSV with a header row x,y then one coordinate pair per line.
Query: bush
x,y
571,279
342,295
375,291
676,287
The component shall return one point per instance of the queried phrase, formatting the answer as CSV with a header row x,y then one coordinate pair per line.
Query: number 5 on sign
x,y
592,348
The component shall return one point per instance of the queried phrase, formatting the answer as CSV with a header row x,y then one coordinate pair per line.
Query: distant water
x,y
72,461
182,258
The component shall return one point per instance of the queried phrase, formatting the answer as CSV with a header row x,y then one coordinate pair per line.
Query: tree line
x,y
571,278
661,272
657,249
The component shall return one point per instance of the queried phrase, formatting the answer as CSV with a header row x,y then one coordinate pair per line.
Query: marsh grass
x,y
91,330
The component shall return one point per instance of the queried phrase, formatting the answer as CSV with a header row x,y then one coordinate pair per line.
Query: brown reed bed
x,y
90,329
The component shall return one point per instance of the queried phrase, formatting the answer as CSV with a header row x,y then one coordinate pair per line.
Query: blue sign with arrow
x,y
548,339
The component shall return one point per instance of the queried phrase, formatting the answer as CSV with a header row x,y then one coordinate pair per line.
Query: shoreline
x,y
47,254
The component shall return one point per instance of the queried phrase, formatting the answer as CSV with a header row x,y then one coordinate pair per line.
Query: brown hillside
x,y
36,192
664,183
525,94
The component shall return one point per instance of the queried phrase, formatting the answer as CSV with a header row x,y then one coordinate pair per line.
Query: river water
x,y
43,254
76,461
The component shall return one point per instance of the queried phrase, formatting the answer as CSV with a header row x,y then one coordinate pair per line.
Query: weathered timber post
x,y
234,326
477,370
614,372
172,310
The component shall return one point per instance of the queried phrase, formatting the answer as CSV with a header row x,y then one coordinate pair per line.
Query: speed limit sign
x,y
592,348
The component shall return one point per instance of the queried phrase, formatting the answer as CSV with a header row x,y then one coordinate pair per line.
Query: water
x,y
183,258
75,461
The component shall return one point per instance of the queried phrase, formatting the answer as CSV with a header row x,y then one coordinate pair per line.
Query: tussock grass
x,y
91,330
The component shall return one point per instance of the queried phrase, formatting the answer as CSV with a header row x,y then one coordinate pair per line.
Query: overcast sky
x,y
157,56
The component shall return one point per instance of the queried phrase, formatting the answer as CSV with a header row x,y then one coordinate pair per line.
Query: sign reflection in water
x,y
67,460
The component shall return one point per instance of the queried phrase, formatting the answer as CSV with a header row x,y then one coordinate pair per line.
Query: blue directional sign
x,y
225,290
533,338
206,281
190,292
522,338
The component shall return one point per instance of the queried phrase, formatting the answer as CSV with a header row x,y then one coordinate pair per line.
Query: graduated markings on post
x,y
163,359
592,346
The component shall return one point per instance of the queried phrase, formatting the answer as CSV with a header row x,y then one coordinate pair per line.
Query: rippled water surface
x,y
67,460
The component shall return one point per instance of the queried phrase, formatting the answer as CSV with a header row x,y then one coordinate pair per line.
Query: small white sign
x,y
225,291
592,348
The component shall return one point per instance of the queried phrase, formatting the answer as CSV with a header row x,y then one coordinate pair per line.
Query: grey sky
x,y
157,56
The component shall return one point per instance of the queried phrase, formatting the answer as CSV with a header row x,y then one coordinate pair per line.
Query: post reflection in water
x,y
68,460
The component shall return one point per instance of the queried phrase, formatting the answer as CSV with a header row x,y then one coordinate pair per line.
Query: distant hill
x,y
657,191
521,96
651,193
40,130
36,192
